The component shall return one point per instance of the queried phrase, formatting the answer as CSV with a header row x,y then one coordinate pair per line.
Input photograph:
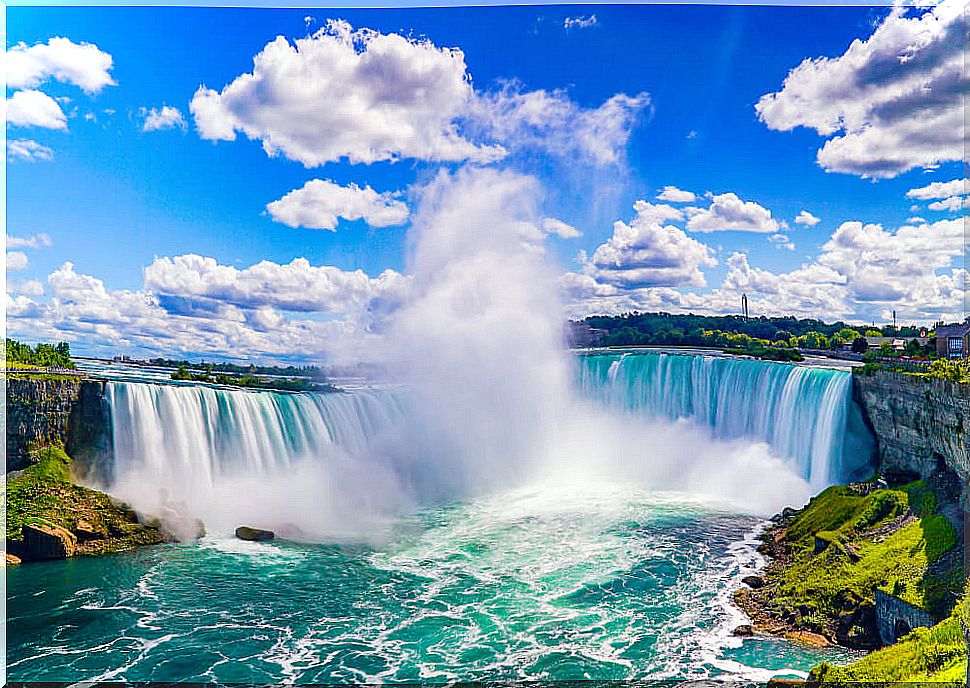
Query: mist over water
x,y
489,403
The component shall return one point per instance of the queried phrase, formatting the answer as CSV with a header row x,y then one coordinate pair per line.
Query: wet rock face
x,y
47,541
37,413
921,425
72,413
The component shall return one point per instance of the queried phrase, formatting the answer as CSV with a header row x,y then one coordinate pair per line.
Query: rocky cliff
x,y
921,424
71,412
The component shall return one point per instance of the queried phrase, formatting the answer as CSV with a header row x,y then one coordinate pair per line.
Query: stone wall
x,y
895,617
920,424
70,411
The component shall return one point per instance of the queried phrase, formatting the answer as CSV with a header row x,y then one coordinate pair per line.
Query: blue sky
x,y
108,196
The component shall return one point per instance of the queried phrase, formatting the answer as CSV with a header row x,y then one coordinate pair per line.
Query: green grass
x,y
35,491
927,654
44,491
872,547
26,374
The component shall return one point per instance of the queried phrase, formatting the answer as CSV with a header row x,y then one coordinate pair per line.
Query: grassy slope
x,y
887,539
901,544
45,491
926,654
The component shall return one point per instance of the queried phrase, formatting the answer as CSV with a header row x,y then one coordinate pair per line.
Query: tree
x,y
860,345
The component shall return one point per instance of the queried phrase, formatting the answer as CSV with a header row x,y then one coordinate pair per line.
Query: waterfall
x,y
805,414
346,463
195,434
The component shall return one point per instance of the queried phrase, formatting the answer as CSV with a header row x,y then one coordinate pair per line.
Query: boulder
x,y
821,544
785,683
11,559
753,582
254,534
85,530
44,540
743,631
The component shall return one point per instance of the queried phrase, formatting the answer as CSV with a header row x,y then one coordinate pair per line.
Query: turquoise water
x,y
603,583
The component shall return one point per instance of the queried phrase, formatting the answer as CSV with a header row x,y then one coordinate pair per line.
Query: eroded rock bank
x,y
59,410
920,423
49,516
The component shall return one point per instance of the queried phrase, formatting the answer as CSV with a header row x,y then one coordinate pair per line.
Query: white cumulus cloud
x,y
953,204
165,117
891,102
364,96
320,204
17,260
727,212
40,240
672,194
340,93
35,109
807,219
28,150
954,187
650,252
580,22
81,64
551,225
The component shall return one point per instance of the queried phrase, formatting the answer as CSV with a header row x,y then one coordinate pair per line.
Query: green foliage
x,y
859,561
927,654
251,381
42,355
44,491
882,506
302,371
957,370
732,331
28,494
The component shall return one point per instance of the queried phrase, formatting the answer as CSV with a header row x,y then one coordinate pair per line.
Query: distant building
x,y
122,359
897,343
582,335
953,341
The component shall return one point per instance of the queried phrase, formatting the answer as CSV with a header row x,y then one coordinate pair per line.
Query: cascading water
x,y
312,459
805,414
194,434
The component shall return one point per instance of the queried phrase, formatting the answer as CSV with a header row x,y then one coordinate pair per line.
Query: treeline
x,y
42,355
731,331
297,384
301,371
